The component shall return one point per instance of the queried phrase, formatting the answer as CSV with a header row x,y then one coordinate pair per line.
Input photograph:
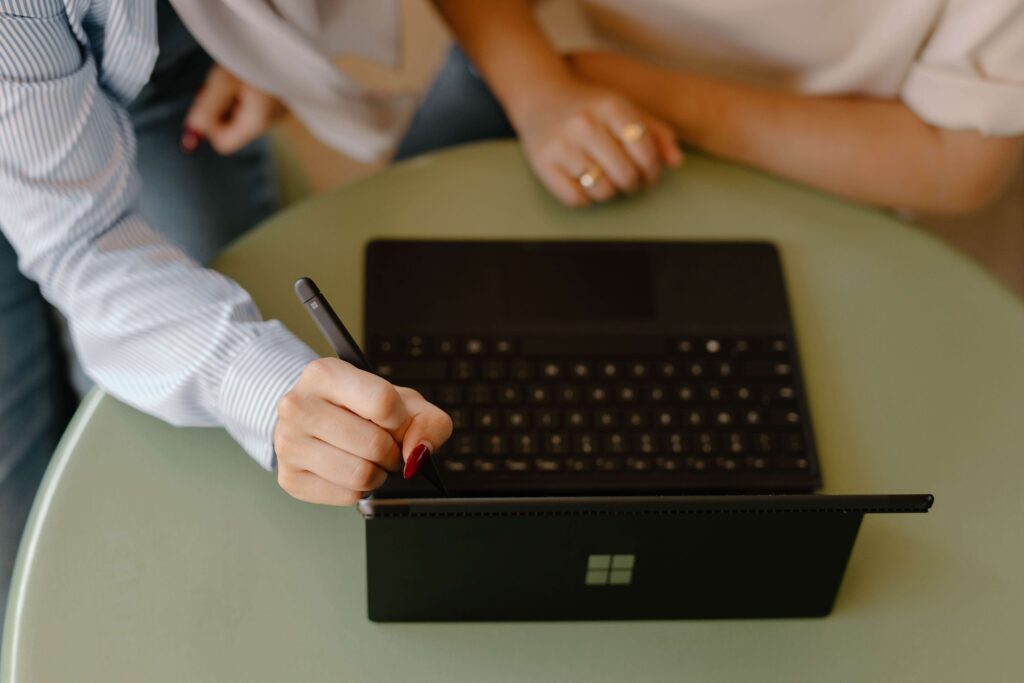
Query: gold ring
x,y
590,177
633,132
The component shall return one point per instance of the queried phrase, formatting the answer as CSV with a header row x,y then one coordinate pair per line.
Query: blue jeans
x,y
458,108
199,201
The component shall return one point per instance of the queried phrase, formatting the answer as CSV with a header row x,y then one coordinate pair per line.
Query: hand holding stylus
x,y
341,430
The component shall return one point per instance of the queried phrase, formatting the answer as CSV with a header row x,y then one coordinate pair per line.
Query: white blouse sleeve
x,y
970,73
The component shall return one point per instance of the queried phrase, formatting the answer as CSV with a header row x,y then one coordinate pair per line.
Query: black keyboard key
x,y
538,393
517,419
715,392
465,444
486,419
598,393
524,444
736,442
639,464
725,369
480,394
712,345
579,464
616,443
606,418
576,419
764,442
753,417
667,369
495,445
547,464
460,418
697,369
586,444
791,442
635,419
510,393
464,369
581,370
656,393
676,443
724,418
694,417
761,369
482,465
414,370
685,345
638,369
663,418
707,442
627,393
785,418
741,346
646,443
569,393
668,464
454,465
727,463
475,346
697,464
384,346
685,393
504,347
517,465
552,370
555,444
450,395
445,346
415,346
744,392
493,369
608,464
609,370
546,418
522,369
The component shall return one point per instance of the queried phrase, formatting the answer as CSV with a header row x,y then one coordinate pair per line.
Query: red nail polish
x,y
190,140
416,458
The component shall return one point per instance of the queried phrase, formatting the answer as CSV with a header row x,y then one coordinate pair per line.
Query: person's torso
x,y
129,40
812,46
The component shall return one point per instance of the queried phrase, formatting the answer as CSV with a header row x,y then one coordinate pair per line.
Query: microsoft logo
x,y
609,570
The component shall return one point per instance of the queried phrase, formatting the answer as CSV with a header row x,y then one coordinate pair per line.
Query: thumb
x,y
665,141
428,429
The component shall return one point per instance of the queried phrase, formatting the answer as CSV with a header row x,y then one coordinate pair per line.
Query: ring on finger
x,y
633,132
590,176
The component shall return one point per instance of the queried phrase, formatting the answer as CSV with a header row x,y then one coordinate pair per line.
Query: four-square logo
x,y
609,570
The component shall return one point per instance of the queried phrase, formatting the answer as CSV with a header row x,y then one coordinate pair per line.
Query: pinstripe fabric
x,y
151,326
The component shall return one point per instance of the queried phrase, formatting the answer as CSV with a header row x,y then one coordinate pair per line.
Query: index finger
x,y
363,393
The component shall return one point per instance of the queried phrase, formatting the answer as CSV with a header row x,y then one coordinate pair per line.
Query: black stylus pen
x,y
346,348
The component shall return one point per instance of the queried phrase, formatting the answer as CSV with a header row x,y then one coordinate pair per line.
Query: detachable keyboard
x,y
612,413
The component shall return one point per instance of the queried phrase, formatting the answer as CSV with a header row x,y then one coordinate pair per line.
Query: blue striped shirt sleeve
x,y
151,326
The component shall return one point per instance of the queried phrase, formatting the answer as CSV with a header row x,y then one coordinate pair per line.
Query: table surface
x,y
156,553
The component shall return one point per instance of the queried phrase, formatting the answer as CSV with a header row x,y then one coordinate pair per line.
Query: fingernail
x,y
190,140
416,458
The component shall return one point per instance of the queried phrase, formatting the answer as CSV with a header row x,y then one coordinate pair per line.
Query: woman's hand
x,y
229,113
588,143
341,430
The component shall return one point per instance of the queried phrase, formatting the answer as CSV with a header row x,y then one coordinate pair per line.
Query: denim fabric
x,y
199,201
458,108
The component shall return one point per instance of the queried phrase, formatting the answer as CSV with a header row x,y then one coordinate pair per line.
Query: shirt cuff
x,y
261,373
956,101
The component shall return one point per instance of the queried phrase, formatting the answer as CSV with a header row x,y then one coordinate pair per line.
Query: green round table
x,y
156,553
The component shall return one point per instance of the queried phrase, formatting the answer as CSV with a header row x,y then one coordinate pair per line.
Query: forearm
x,y
869,150
507,45
150,325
